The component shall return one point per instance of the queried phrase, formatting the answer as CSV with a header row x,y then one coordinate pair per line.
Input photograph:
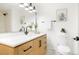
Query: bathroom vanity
x,y
31,44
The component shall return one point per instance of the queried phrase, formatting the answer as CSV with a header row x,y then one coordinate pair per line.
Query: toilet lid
x,y
62,48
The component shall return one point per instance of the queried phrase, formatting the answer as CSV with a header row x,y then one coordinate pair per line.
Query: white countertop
x,y
17,39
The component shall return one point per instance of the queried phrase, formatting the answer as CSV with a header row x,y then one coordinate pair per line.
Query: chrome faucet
x,y
22,29
36,25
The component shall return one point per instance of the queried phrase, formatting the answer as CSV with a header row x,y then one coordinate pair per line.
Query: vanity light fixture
x,y
28,6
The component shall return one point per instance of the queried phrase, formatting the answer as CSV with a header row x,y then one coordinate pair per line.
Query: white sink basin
x,y
14,39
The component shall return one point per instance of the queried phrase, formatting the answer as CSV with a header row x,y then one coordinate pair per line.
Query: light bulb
x,y
21,5
26,8
34,10
30,7
26,4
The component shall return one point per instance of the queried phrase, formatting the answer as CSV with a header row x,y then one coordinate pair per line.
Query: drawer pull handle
x,y
27,49
39,43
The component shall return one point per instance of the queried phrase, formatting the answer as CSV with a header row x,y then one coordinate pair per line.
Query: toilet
x,y
63,50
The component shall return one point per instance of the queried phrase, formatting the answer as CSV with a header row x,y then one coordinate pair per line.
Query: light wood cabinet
x,y
40,45
25,48
37,46
6,50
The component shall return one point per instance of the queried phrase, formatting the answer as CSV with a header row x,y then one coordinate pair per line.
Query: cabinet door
x,y
36,47
6,50
25,49
43,48
40,45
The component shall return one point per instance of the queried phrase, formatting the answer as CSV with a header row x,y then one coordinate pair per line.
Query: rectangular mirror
x,y
12,17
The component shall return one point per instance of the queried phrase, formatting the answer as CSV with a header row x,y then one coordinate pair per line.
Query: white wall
x,y
8,21
15,20
5,20
76,43
48,12
2,22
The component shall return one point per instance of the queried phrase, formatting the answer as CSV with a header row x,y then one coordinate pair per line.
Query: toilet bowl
x,y
63,50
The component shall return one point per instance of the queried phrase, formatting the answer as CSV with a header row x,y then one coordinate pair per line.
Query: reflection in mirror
x,y
4,22
13,18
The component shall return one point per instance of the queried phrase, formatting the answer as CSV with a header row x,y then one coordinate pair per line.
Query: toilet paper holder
x,y
76,38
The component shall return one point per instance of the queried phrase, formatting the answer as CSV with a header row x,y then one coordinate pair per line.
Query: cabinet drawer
x,y
25,48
